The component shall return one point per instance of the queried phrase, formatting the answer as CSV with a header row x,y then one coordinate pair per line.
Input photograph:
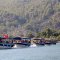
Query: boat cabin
x,y
16,39
40,41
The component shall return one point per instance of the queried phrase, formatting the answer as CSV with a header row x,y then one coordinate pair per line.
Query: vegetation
x,y
18,16
30,35
58,38
49,33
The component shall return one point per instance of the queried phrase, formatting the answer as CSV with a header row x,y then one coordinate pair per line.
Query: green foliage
x,y
58,37
30,35
44,34
47,33
38,35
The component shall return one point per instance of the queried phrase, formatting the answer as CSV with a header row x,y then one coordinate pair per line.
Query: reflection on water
x,y
46,52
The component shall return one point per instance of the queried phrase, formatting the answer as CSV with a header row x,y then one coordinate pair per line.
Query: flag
x,y
5,36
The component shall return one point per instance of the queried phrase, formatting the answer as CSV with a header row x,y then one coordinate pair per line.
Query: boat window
x,y
9,45
5,45
1,44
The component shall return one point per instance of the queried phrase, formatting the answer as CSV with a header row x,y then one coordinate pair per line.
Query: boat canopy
x,y
39,39
26,38
2,38
16,38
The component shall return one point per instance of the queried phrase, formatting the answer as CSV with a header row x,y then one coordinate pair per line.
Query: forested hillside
x,y
21,16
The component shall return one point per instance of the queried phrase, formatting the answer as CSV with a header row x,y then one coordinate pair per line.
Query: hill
x,y
29,15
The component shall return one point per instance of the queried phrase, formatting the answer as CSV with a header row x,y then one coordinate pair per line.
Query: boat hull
x,y
6,46
20,45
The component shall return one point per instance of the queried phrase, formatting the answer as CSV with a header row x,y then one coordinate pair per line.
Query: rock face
x,y
31,15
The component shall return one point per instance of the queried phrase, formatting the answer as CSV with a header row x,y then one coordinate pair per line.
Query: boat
x,y
6,46
39,41
15,42
22,43
53,42
5,43
49,42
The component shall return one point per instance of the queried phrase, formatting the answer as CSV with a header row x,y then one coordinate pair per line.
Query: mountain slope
x,y
31,15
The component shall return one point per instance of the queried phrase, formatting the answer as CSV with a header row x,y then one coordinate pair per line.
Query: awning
x,y
26,38
16,38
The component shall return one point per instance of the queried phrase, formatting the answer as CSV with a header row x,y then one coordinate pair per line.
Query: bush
x,y
58,37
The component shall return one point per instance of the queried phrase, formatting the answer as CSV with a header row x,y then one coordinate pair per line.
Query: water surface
x,y
46,52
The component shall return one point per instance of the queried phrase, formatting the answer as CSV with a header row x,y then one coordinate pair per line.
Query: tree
x,y
44,34
30,35
48,32
58,37
38,35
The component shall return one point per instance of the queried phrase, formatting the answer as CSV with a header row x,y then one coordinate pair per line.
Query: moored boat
x,y
22,43
6,43
39,41
6,46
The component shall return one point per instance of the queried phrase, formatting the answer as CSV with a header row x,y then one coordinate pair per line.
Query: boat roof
x,y
38,39
26,38
2,38
16,38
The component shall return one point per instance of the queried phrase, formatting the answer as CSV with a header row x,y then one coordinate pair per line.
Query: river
x,y
47,52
